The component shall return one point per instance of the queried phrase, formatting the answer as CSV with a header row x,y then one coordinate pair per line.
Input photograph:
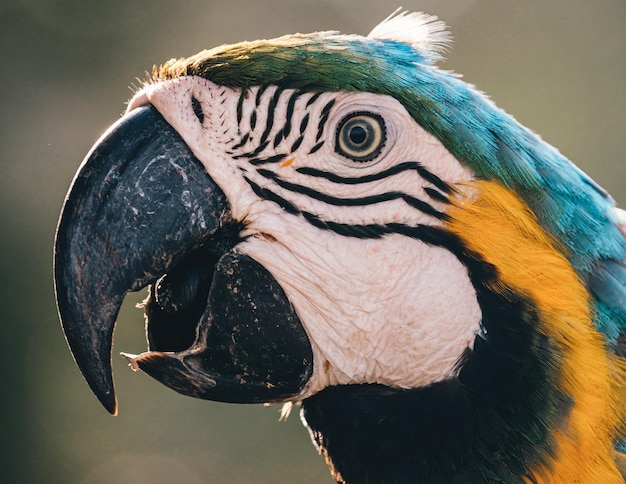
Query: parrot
x,y
334,221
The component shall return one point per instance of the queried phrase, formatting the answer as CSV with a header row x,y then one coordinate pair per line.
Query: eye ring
x,y
360,136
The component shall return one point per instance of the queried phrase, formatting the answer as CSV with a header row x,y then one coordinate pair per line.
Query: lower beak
x,y
142,210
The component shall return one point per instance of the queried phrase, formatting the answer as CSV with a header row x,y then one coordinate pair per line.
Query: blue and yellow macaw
x,y
332,220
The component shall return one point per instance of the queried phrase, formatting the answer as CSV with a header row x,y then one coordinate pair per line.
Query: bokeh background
x,y
65,71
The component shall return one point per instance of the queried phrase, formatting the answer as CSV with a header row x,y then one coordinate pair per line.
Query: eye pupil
x,y
358,135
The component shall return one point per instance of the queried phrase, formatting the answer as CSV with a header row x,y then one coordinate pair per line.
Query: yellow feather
x,y
500,227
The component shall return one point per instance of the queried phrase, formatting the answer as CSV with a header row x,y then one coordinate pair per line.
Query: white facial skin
x,y
391,310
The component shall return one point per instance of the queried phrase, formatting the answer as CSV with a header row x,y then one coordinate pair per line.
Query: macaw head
x,y
328,211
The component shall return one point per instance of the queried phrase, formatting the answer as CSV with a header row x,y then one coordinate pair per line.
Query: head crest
x,y
423,32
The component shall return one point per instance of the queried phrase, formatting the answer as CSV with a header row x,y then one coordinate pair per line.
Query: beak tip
x,y
113,410
109,402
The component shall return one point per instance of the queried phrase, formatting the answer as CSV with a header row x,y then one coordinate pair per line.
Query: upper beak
x,y
142,208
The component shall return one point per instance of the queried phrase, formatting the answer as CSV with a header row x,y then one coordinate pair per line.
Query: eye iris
x,y
360,136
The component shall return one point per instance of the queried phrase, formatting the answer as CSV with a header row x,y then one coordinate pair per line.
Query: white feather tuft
x,y
285,411
422,31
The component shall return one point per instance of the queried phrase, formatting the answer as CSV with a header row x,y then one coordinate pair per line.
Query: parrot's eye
x,y
360,136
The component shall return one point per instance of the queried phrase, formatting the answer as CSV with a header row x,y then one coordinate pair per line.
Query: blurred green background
x,y
65,71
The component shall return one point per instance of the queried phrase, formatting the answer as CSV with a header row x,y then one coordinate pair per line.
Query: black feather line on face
x,y
394,170
372,231
494,422
436,195
253,120
259,149
242,97
243,141
279,137
313,98
304,123
323,118
269,160
296,144
420,205
259,94
269,122
271,196
316,147
288,115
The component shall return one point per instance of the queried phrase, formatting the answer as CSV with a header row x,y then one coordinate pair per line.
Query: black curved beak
x,y
143,211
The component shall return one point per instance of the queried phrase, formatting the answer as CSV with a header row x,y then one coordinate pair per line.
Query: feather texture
x,y
423,32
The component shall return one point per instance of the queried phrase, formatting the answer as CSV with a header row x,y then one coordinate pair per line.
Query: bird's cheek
x,y
375,311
